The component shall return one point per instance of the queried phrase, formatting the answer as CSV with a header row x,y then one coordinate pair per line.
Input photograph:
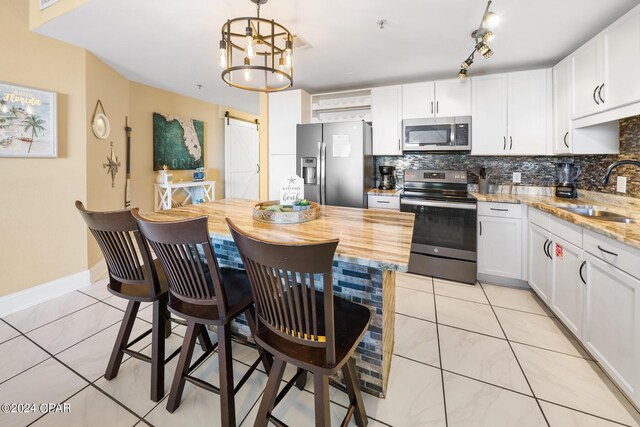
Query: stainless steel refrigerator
x,y
336,163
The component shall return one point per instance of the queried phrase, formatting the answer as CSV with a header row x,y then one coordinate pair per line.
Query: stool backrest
x,y
284,281
127,256
187,258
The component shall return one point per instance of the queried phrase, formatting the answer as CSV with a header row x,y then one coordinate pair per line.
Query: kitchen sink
x,y
602,214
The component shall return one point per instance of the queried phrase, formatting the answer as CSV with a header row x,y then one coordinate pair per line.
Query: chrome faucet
x,y
614,165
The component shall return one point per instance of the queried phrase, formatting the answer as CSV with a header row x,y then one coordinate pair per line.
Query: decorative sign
x,y
559,251
291,189
28,120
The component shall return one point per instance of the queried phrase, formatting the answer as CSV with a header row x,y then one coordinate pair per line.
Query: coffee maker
x,y
566,175
387,178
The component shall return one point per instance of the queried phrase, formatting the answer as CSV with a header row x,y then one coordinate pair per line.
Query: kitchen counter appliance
x,y
336,163
387,178
566,175
444,233
437,134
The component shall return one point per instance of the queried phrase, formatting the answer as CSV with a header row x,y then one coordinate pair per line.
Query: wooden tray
x,y
285,217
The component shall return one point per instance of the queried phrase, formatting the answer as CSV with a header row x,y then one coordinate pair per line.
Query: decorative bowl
x,y
266,212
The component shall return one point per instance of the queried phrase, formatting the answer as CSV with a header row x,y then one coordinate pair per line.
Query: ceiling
x,y
173,44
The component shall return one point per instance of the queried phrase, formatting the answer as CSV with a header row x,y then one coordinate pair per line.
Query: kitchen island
x,y
374,245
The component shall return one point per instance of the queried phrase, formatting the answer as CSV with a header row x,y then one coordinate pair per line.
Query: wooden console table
x,y
163,196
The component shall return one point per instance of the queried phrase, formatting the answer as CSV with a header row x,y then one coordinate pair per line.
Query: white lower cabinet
x,y
567,299
612,322
500,246
539,261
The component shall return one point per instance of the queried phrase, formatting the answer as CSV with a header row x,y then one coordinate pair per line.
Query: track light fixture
x,y
482,36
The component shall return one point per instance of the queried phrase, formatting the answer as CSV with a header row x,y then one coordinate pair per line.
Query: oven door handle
x,y
434,204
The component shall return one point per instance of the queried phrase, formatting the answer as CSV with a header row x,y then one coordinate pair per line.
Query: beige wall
x,y
39,17
112,89
43,237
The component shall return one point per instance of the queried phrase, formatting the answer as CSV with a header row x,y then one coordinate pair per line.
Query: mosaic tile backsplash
x,y
537,171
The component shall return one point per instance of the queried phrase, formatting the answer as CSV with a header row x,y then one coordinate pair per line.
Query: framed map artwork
x,y
177,143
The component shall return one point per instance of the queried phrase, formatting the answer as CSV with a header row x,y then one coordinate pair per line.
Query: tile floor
x,y
480,355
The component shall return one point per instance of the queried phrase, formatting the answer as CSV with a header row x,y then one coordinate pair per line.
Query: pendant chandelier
x,y
256,53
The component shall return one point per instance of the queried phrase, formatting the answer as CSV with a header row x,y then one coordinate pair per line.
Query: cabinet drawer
x,y
501,210
384,202
613,252
539,218
570,232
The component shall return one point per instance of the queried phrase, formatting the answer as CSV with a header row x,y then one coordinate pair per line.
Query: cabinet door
x,y
567,299
562,89
453,98
280,166
529,104
539,262
285,113
385,113
612,322
418,101
585,68
499,246
489,111
621,45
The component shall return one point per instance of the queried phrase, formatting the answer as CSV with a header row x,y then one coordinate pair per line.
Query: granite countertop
x,y
388,193
375,238
630,207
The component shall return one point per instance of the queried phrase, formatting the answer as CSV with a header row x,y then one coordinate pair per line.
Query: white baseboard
x,y
98,271
20,300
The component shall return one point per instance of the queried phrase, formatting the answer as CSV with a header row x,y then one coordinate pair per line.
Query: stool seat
x,y
138,292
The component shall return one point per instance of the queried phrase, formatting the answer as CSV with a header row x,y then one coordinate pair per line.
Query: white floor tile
x,y
540,331
415,282
467,315
69,330
7,332
97,290
17,355
515,299
559,416
463,291
38,315
415,303
416,339
575,383
473,404
482,357
92,408
202,408
48,382
414,396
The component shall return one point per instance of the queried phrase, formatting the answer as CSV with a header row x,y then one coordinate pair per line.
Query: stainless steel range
x,y
444,234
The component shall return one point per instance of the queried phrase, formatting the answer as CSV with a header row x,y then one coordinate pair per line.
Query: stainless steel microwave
x,y
437,134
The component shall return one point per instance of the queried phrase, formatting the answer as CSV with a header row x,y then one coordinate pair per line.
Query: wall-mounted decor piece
x,y
177,143
100,123
28,122
112,165
46,3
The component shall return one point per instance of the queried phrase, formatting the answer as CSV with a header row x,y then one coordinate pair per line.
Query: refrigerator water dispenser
x,y
309,166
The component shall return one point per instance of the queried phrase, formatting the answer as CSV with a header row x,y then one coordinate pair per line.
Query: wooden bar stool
x,y
298,324
135,277
204,294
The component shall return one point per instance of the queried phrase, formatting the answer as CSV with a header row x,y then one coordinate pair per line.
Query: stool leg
x,y
270,393
353,389
157,349
267,360
177,387
122,340
321,397
204,340
167,316
301,382
227,398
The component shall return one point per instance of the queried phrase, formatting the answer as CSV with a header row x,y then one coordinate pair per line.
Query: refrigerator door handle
x,y
323,171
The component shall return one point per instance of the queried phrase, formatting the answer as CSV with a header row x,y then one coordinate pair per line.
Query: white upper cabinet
x,y
588,79
418,100
562,92
529,103
511,113
444,98
489,115
386,114
287,110
621,46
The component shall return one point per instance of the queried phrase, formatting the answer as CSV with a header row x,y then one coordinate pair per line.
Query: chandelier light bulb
x,y
287,54
491,19
247,71
250,50
222,60
281,67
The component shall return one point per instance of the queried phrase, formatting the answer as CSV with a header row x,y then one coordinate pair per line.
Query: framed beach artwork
x,y
28,122
46,3
178,143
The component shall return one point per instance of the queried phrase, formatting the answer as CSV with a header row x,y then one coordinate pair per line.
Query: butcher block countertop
x,y
374,238
628,206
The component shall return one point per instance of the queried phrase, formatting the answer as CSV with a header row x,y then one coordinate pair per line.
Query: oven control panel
x,y
448,177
